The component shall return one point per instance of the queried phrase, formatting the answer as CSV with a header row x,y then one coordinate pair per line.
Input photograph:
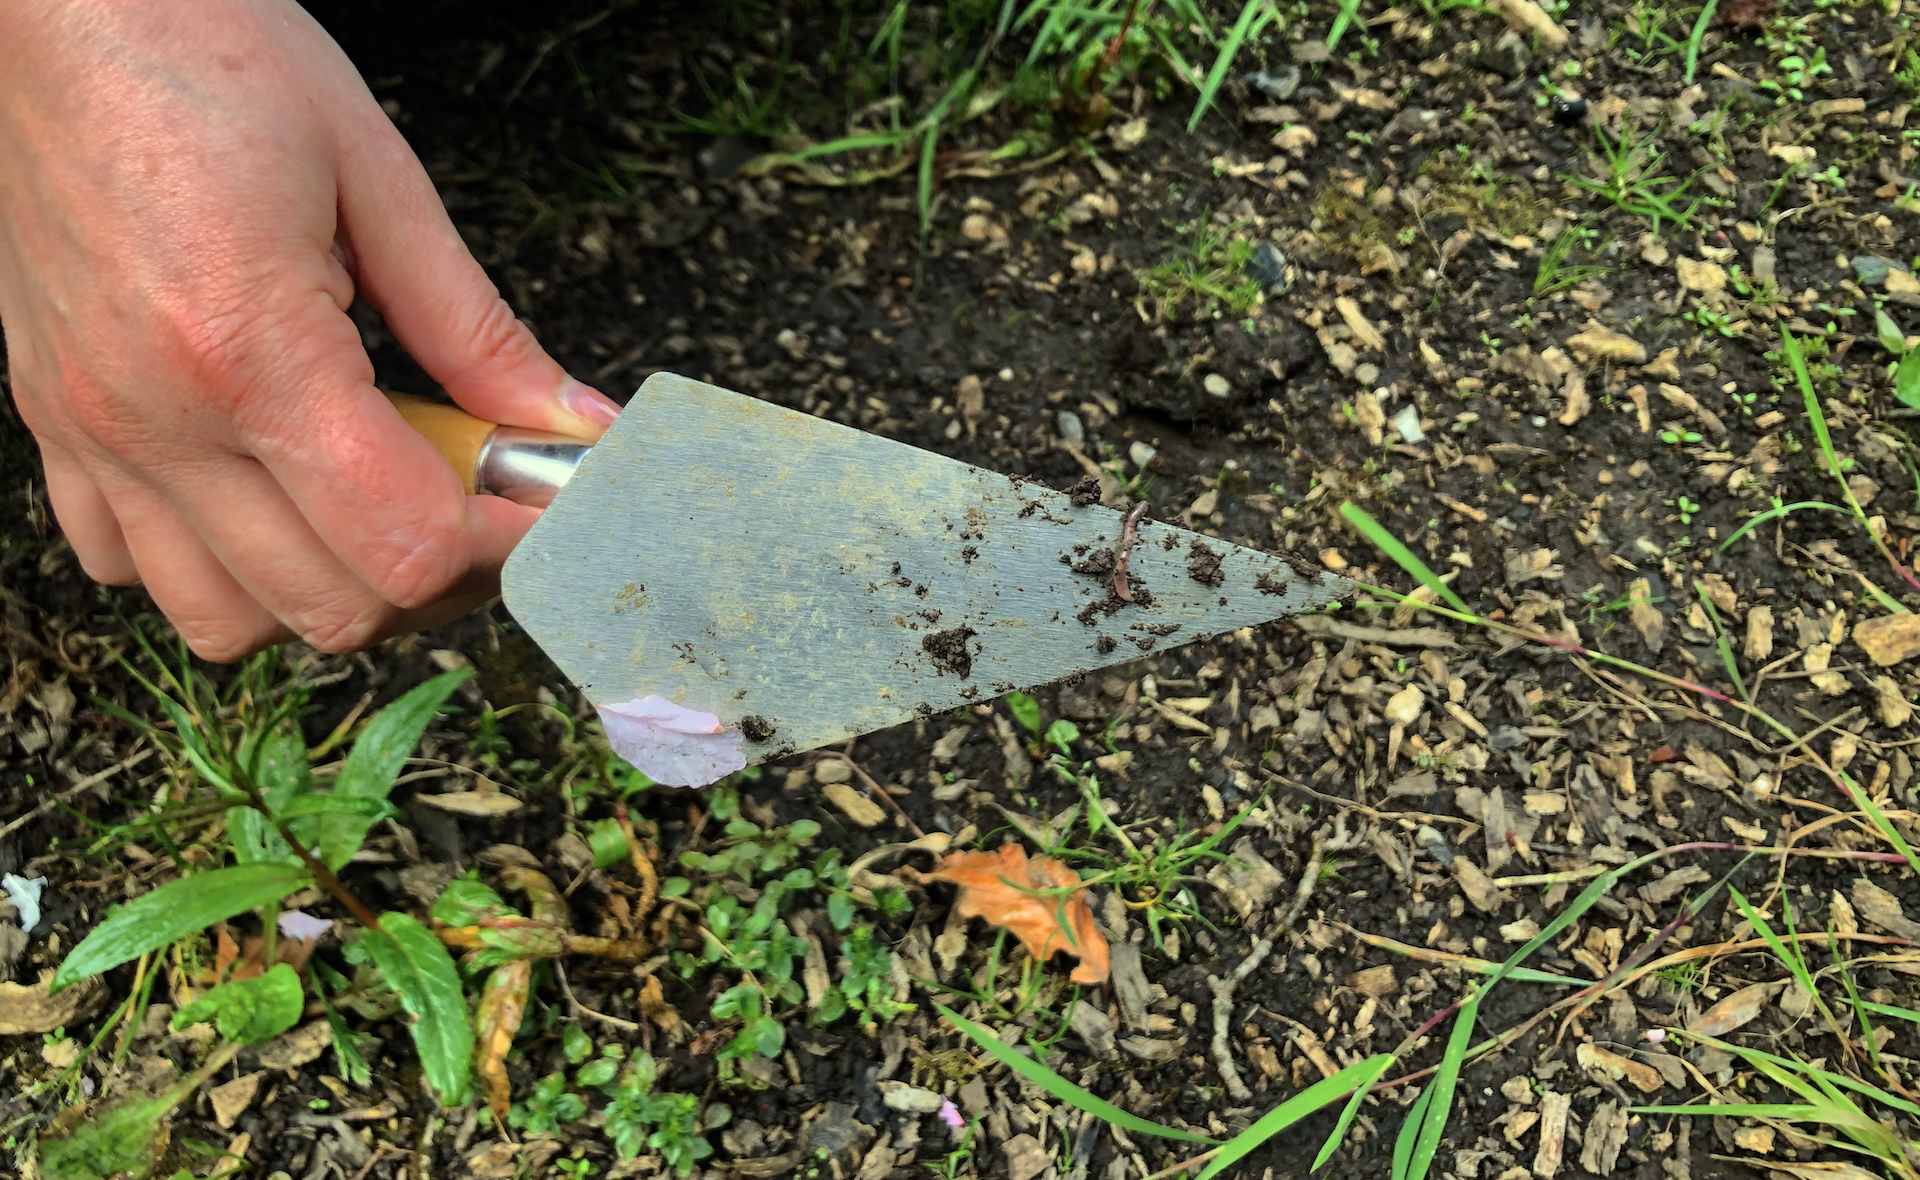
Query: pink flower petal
x,y
671,744
302,927
950,1114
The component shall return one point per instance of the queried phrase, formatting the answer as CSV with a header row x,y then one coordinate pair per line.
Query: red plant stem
x,y
1129,532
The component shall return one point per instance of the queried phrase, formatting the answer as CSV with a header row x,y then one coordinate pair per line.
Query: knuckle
x,y
222,641
341,636
498,337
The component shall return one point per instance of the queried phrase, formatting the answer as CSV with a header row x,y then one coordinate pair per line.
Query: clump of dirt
x,y
1086,492
948,650
1096,563
757,728
1271,583
1105,644
1113,604
1203,564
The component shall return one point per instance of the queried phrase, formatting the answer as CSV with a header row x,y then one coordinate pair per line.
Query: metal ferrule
x,y
527,466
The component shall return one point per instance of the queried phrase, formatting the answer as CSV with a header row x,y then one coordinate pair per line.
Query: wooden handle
x,y
456,434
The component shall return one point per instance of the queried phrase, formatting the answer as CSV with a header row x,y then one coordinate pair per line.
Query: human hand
x,y
190,197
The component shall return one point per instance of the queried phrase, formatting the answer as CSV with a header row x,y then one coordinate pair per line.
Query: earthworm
x,y
1124,550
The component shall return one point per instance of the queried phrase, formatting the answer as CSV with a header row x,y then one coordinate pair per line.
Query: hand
x,y
190,197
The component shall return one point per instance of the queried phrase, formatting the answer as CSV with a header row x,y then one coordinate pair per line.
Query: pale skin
x,y
192,192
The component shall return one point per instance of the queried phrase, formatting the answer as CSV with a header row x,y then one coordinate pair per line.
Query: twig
x,y
642,866
1223,989
1129,532
92,780
579,1009
379,1153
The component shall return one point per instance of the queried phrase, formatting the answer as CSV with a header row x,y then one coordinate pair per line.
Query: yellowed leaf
x,y
1022,895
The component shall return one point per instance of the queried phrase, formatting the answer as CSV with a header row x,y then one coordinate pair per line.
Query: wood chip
x,y
1603,1137
230,1100
1377,982
1645,1078
1889,639
1882,909
1604,344
1356,320
28,1009
1733,1011
1403,637
1476,886
1467,510
1527,17
859,810
1646,617
1759,641
1553,1132
291,1050
1673,884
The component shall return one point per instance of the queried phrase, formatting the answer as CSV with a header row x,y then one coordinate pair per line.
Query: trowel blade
x,y
752,561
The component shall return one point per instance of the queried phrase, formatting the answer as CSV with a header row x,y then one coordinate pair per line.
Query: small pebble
x,y
1006,374
1433,844
1216,385
1871,270
1070,427
1407,423
1269,268
1278,85
1141,453
1539,420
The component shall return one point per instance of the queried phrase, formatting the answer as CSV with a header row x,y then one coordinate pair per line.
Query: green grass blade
x,y
1759,1110
1699,34
1440,1109
1797,361
1356,1077
1890,1010
1342,21
1720,641
1880,820
1361,1085
1390,545
1253,17
1760,518
1410,1131
1060,1087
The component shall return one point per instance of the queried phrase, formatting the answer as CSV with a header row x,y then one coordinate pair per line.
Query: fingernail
x,y
584,401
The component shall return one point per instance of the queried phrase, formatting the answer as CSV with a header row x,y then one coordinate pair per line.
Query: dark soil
x,y
949,652
1422,200
1203,564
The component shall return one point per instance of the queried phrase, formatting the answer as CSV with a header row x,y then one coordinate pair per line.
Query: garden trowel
x,y
806,582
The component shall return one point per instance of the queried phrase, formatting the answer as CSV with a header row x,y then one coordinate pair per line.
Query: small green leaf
x,y
576,1044
177,909
1906,380
608,842
840,910
281,773
1891,337
375,761
1025,710
249,1011
597,1073
422,971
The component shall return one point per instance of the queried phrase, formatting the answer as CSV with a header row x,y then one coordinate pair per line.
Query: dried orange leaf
x,y
502,1004
1022,895
1734,1011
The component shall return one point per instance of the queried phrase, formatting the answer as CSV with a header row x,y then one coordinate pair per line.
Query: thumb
x,y
410,264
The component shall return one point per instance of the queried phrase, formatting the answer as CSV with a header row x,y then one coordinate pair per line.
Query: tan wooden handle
x,y
459,436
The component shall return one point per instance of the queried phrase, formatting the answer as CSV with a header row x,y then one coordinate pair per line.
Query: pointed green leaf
x,y
177,909
375,761
1058,1086
422,971
1356,1077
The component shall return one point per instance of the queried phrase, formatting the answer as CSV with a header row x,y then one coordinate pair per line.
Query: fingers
x,y
216,617
87,519
413,266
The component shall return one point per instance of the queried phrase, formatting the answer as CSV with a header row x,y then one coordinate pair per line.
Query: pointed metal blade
x,y
756,562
